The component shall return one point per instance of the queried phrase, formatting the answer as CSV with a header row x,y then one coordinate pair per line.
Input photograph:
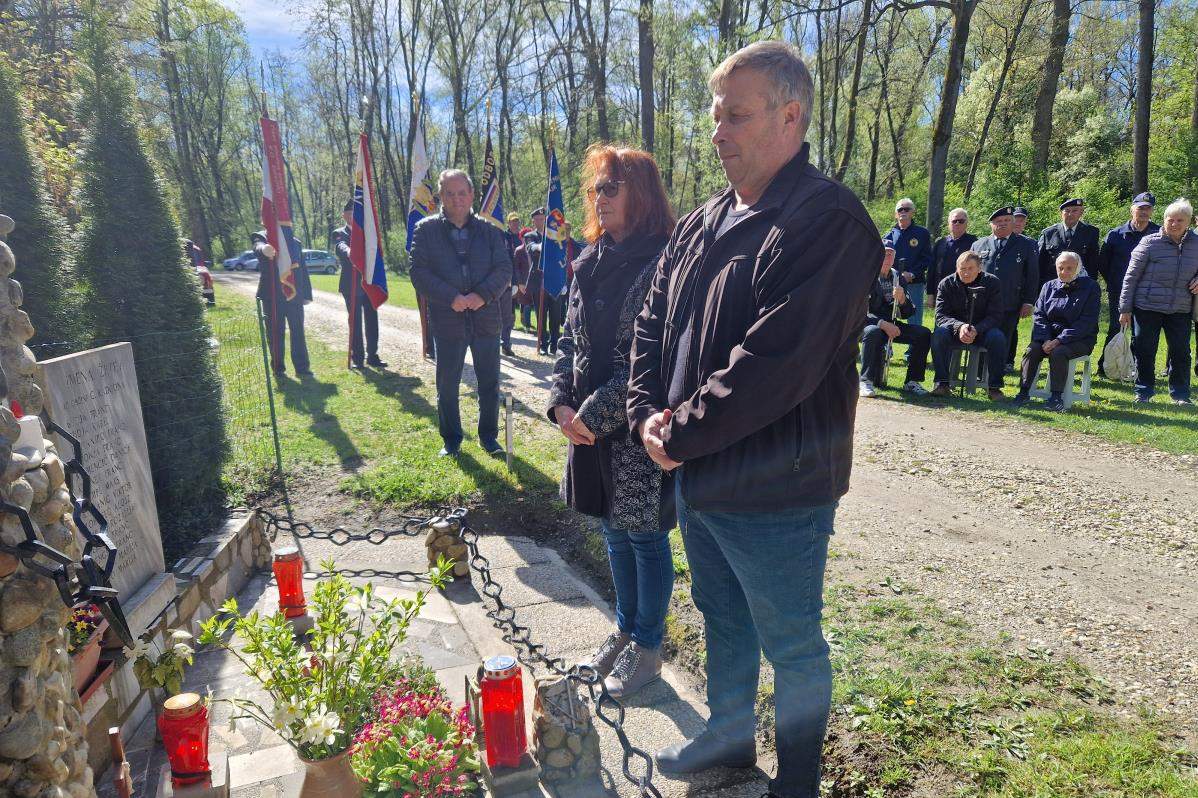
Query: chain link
x,y
88,579
529,652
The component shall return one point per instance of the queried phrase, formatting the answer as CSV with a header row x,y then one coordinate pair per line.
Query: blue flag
x,y
553,251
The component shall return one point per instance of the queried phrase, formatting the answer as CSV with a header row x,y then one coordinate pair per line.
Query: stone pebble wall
x,y
42,748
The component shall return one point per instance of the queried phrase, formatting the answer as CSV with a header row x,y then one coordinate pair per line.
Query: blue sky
x,y
268,25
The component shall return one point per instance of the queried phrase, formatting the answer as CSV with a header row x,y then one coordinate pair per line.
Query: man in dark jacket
x,y
461,267
512,239
1115,254
1065,326
887,319
744,374
1012,259
1073,235
365,314
948,248
279,311
526,255
912,252
969,312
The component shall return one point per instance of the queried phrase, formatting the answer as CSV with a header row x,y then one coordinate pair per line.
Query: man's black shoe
x,y
507,350
356,366
448,452
1020,399
491,447
703,753
305,373
376,363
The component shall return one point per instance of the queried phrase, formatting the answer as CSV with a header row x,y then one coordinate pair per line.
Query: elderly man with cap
x,y
365,314
1064,326
912,253
948,248
887,308
1012,259
1019,222
1070,234
1115,254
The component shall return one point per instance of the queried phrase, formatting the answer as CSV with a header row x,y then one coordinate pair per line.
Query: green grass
x,y
1111,414
399,288
381,428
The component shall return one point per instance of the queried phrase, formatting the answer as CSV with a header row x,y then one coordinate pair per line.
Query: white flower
x,y
182,650
180,635
360,603
322,727
140,649
208,695
286,714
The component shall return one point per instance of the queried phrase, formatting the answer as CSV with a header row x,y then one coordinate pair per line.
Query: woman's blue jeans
x,y
642,570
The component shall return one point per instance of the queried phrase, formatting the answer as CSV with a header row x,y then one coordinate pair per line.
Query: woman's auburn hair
x,y
648,209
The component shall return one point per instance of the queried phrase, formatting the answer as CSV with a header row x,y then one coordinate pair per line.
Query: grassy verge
x,y
1111,414
399,288
922,707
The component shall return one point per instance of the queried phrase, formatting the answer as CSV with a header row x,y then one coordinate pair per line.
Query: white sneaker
x,y
868,389
915,389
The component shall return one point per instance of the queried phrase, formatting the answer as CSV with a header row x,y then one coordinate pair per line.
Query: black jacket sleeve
x,y
994,312
1031,278
499,277
646,391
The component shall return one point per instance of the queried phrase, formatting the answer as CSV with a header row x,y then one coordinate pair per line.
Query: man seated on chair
x,y
1064,326
969,312
888,303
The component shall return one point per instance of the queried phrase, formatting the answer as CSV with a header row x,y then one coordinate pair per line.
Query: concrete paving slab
x,y
261,765
526,585
508,551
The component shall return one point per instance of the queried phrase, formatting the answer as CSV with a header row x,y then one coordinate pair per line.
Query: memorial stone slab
x,y
93,396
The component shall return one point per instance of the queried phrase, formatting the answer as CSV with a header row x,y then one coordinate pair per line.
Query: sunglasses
x,y
906,210
956,221
609,189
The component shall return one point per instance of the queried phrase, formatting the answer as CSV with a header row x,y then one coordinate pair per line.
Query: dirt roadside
x,y
1059,540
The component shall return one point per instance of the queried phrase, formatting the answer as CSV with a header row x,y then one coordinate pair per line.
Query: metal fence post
x,y
270,397
507,423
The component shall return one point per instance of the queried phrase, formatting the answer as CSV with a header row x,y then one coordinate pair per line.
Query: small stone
x,y
24,693
16,466
10,428
20,492
22,648
461,569
55,472
8,566
7,225
559,758
24,738
552,736
16,294
457,552
574,743
28,393
40,483
8,263
6,769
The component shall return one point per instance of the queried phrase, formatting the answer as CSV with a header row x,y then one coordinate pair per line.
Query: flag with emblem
x,y
421,204
276,209
553,251
491,207
365,243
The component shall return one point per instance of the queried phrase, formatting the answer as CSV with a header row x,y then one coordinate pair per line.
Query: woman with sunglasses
x,y
608,473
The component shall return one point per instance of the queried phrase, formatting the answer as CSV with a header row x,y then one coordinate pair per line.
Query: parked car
x,y
246,260
320,261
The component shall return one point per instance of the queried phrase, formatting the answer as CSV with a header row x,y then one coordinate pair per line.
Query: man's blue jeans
x,y
758,579
451,356
993,341
642,570
915,292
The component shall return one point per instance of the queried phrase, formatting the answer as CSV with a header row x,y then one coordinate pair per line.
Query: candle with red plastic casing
x,y
503,711
184,727
289,574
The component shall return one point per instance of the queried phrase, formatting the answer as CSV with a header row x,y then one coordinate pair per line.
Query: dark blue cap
x,y
1145,198
1019,210
1076,202
1006,210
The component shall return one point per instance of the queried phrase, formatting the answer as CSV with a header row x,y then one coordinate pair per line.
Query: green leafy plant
x,y
165,669
416,743
320,693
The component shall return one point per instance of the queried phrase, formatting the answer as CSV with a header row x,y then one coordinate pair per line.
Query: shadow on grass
x,y
310,397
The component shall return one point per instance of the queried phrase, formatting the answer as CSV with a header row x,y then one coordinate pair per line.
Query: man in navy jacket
x,y
1115,254
912,253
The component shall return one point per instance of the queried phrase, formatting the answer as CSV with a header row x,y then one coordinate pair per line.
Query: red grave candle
x,y
184,727
503,711
289,574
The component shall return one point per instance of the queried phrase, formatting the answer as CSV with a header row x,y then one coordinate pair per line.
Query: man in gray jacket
x,y
460,267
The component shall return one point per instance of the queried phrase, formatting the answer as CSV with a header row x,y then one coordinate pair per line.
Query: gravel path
x,y
1060,540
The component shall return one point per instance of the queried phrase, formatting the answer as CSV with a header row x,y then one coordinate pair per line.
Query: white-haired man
x,y
912,253
744,378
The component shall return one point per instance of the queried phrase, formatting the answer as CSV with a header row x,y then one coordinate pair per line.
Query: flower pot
x,y
330,777
85,660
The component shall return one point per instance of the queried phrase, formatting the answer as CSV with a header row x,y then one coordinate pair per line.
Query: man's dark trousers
x,y
736,559
451,355
873,347
1010,331
288,314
364,315
944,341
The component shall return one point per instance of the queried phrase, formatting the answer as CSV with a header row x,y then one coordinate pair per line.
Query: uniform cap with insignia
x,y
1019,210
1144,199
1005,211
1076,202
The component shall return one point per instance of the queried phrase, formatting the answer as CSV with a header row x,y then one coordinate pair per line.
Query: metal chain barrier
x,y
85,580
530,653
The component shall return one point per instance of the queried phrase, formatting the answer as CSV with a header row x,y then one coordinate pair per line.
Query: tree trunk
x,y
942,133
819,70
1047,96
1139,179
850,125
644,26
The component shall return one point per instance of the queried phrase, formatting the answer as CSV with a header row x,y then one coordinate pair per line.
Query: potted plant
x,y
162,673
84,631
320,689
416,743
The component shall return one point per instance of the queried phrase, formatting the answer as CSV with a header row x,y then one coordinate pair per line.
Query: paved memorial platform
x,y
453,635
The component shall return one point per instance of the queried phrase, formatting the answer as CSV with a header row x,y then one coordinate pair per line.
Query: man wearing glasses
x,y
947,249
912,253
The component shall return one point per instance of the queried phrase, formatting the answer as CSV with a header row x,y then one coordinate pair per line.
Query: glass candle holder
x,y
503,711
288,566
184,727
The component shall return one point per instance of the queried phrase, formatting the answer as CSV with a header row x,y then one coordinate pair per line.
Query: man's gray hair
x,y
1180,207
450,174
904,201
961,211
782,65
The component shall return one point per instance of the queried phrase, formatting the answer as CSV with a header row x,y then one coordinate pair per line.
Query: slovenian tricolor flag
x,y
276,209
365,244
